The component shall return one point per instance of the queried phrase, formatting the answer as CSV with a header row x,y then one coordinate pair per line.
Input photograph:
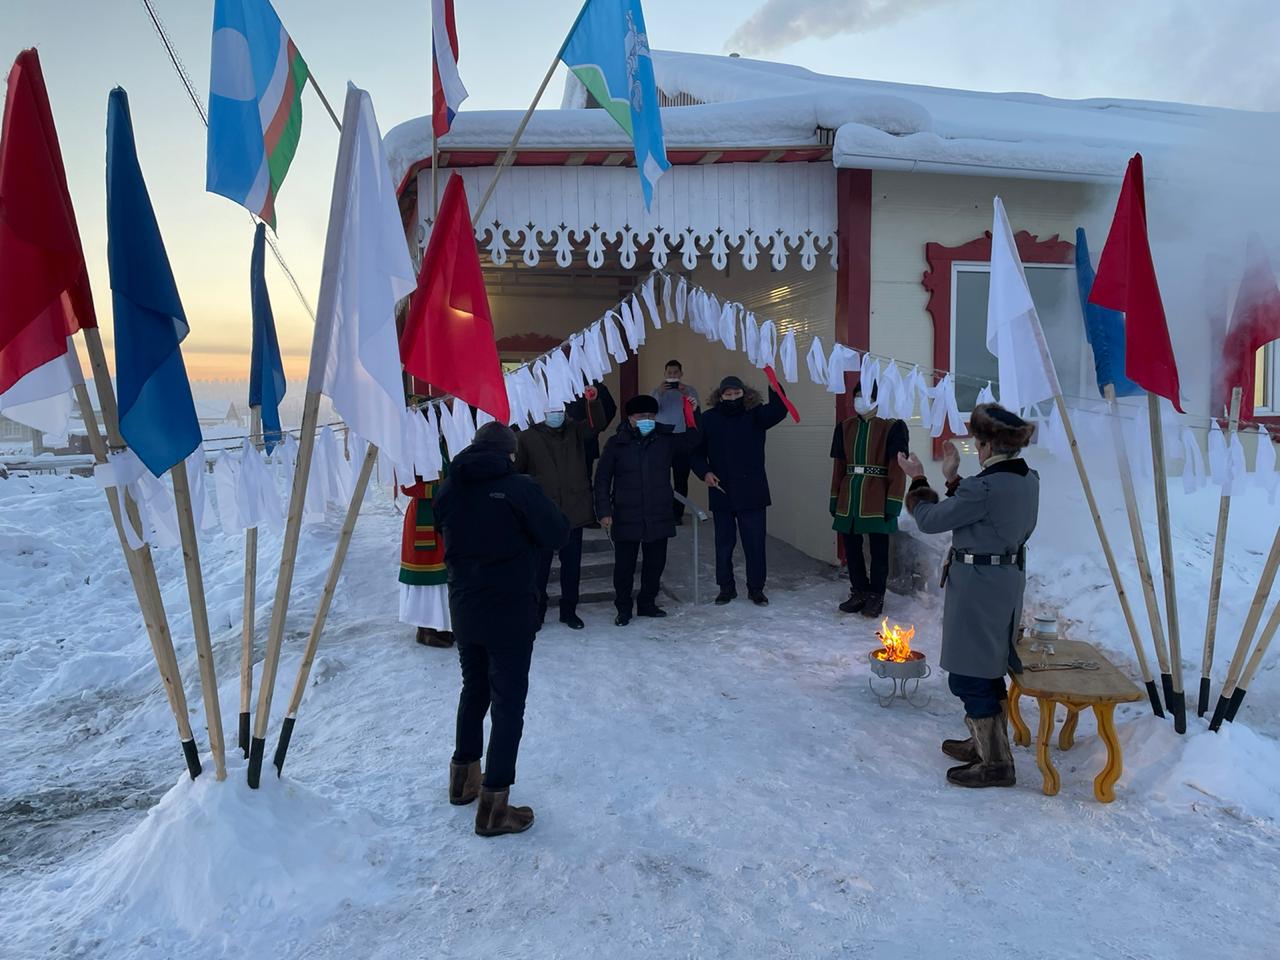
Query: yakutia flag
x,y
447,91
1014,334
355,356
44,285
256,76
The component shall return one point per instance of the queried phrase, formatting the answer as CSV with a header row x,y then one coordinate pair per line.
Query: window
x,y
1057,300
1266,396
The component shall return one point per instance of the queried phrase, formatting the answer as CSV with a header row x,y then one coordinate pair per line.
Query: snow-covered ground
x,y
718,784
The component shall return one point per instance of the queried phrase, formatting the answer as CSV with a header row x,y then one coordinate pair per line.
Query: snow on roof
x,y
879,125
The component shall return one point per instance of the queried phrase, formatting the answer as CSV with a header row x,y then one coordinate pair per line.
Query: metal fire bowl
x,y
914,669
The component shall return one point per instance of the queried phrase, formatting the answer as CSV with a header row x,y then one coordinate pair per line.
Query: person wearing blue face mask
x,y
554,454
633,496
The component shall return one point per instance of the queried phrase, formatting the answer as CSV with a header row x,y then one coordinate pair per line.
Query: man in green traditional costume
x,y
867,487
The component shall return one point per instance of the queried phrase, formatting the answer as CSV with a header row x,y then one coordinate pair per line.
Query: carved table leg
x,y
1104,783
1021,734
1051,781
1067,736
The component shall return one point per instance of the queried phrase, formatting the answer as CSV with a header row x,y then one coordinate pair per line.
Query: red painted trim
x,y
629,378
527,343
937,280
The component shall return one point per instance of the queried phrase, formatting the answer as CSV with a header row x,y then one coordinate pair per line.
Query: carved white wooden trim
x,y
754,211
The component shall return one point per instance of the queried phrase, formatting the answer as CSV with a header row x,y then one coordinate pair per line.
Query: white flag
x,y
42,399
355,355
1014,335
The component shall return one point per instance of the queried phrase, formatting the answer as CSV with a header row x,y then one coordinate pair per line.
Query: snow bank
x,y
215,859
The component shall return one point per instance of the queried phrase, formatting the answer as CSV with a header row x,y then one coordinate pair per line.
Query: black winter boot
x,y
758,598
464,783
654,611
874,606
994,766
857,600
726,595
495,818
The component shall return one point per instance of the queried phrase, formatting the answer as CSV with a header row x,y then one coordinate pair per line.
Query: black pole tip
x,y
192,755
1153,695
244,735
1234,706
1179,708
282,746
256,749
1166,684
1203,706
1219,712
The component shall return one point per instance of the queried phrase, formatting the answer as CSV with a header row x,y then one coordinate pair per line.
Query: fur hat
x,y
641,403
496,436
998,426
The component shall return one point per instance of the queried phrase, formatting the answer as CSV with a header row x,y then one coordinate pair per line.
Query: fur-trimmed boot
x,y
965,750
495,818
464,783
994,766
429,637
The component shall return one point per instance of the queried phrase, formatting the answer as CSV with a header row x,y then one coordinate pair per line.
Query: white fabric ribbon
x,y
767,345
817,362
156,509
842,360
986,394
668,295
1219,465
647,295
1193,472
727,328
869,381
788,357
751,340
612,337
1265,465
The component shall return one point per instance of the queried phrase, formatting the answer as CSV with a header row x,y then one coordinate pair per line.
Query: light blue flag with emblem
x,y
608,50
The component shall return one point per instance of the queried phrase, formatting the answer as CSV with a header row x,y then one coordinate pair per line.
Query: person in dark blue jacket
x,y
497,523
730,461
633,501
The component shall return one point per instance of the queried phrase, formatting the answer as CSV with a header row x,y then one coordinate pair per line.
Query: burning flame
x,y
897,642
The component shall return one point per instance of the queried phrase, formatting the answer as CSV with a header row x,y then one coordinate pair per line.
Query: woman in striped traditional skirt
x,y
424,589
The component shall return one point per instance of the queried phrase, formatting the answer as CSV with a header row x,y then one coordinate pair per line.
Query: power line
x,y
196,102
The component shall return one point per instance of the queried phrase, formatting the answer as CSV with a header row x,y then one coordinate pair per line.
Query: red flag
x,y
44,284
448,333
1126,281
1255,322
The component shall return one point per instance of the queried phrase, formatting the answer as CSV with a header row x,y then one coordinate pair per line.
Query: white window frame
x,y
1270,405
984,266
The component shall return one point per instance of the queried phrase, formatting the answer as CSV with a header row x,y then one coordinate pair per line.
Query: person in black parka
x,y
730,460
633,501
497,523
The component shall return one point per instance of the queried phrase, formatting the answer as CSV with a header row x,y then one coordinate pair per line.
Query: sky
x,y
1220,53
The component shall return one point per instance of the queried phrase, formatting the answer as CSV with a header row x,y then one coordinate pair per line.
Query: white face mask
x,y
861,406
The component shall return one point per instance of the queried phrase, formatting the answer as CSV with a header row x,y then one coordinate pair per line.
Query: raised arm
x,y
772,413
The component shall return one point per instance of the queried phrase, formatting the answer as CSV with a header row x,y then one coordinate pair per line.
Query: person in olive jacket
x,y
730,461
497,524
554,454
633,500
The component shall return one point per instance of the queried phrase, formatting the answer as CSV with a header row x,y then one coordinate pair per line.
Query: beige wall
x,y
797,454
910,210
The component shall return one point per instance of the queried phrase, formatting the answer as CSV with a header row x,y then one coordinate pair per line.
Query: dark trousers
x,y
625,555
982,697
750,525
495,680
570,575
679,480
858,578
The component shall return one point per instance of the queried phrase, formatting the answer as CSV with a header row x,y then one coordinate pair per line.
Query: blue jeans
x,y
982,697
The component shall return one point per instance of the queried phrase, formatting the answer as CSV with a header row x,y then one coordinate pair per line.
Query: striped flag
x,y
255,105
447,91
44,285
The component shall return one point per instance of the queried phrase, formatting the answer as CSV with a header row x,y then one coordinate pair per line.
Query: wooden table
x,y
1075,689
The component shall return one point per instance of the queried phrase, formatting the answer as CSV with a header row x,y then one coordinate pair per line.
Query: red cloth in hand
x,y
777,388
689,420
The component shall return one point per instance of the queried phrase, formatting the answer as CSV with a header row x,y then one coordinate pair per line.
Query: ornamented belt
x,y
867,471
1018,559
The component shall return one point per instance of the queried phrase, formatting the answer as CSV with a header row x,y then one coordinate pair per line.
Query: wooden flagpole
x,y
1140,552
524,122
326,599
1178,707
1255,661
435,169
1106,544
1251,622
1219,551
249,609
140,564
323,99
284,584
199,615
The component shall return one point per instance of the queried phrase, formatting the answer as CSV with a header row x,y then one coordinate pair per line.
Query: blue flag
x,y
1104,328
266,370
157,415
608,50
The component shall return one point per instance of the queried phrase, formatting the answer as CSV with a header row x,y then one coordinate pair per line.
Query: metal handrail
x,y
700,516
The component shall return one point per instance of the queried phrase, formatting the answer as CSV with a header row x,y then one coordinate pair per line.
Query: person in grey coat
x,y
990,517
